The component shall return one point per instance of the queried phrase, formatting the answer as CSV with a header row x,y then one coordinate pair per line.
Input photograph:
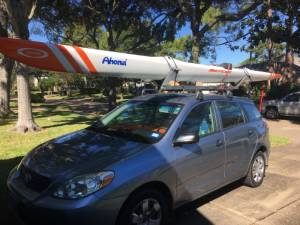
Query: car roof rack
x,y
170,83
224,89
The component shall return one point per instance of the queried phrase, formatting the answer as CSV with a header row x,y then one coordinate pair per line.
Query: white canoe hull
x,y
73,59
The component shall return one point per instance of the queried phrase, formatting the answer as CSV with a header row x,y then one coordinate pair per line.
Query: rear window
x,y
251,111
231,113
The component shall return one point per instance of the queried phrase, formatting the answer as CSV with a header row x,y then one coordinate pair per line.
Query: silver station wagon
x,y
287,106
142,160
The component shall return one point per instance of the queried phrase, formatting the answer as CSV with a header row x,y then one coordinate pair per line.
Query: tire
x,y
158,207
272,113
256,171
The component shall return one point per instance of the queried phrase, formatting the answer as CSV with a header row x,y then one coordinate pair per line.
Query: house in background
x,y
279,66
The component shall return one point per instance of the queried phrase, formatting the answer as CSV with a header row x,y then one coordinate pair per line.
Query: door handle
x,y
219,143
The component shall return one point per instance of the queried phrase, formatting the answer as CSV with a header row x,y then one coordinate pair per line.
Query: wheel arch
x,y
265,151
157,185
272,107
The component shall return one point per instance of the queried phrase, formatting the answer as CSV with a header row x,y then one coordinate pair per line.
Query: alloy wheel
x,y
258,169
147,212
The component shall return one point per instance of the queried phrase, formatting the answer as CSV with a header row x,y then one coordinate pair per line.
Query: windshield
x,y
143,121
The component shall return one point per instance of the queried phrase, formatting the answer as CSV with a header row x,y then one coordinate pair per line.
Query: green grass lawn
x,y
55,121
277,141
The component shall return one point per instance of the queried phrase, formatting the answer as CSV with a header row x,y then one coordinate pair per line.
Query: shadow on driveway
x,y
189,215
7,217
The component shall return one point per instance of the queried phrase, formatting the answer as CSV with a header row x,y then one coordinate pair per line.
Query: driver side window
x,y
201,120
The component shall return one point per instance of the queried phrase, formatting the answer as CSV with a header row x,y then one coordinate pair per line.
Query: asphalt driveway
x,y
276,202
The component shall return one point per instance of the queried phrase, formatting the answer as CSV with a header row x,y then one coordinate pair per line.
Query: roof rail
x,y
197,88
224,89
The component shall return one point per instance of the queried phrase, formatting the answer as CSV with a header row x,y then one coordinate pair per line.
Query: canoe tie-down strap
x,y
172,75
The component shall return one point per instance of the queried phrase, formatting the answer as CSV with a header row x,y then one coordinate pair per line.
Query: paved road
x,y
276,202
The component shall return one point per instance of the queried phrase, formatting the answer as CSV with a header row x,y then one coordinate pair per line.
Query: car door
x,y
236,138
289,105
200,166
256,129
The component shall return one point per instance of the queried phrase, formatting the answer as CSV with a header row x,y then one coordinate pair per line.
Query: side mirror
x,y
186,139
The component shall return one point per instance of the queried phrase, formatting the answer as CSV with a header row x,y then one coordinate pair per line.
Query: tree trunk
x,y
20,12
25,121
6,67
289,61
112,94
289,57
270,42
195,50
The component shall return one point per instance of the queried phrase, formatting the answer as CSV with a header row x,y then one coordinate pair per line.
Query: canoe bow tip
x,y
274,76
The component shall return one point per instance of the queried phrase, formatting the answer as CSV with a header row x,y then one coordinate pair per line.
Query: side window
x,y
231,113
292,98
201,120
251,111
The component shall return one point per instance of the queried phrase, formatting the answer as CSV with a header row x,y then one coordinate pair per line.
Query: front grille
x,y
34,180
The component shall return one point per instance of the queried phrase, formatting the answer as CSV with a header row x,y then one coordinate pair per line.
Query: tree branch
x,y
234,40
230,17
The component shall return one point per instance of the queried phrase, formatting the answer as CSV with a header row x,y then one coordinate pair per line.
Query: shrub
x,y
37,98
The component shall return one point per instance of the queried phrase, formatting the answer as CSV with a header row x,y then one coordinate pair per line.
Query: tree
x,y
194,12
291,7
274,26
179,48
20,13
6,66
131,26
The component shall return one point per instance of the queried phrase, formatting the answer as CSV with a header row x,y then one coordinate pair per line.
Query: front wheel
x,y
145,207
256,171
272,113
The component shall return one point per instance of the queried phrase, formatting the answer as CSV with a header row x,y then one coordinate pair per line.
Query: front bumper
x,y
44,210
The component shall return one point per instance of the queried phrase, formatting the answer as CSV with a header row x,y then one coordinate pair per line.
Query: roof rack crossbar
x,y
198,88
225,89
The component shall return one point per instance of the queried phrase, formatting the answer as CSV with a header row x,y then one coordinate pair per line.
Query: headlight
x,y
82,186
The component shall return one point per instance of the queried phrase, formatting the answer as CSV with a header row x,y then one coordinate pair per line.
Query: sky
x,y
224,53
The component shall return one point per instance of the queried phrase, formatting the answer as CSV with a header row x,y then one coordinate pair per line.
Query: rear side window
x,y
251,112
292,98
231,113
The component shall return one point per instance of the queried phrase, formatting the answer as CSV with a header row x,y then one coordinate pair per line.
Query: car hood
x,y
81,150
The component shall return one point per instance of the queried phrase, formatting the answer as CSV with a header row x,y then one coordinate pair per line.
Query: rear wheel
x,y
145,207
272,113
256,171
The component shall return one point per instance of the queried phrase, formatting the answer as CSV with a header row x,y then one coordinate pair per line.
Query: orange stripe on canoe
x,y
85,59
274,76
70,58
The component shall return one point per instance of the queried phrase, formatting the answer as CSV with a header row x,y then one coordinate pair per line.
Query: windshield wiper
x,y
120,132
128,134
